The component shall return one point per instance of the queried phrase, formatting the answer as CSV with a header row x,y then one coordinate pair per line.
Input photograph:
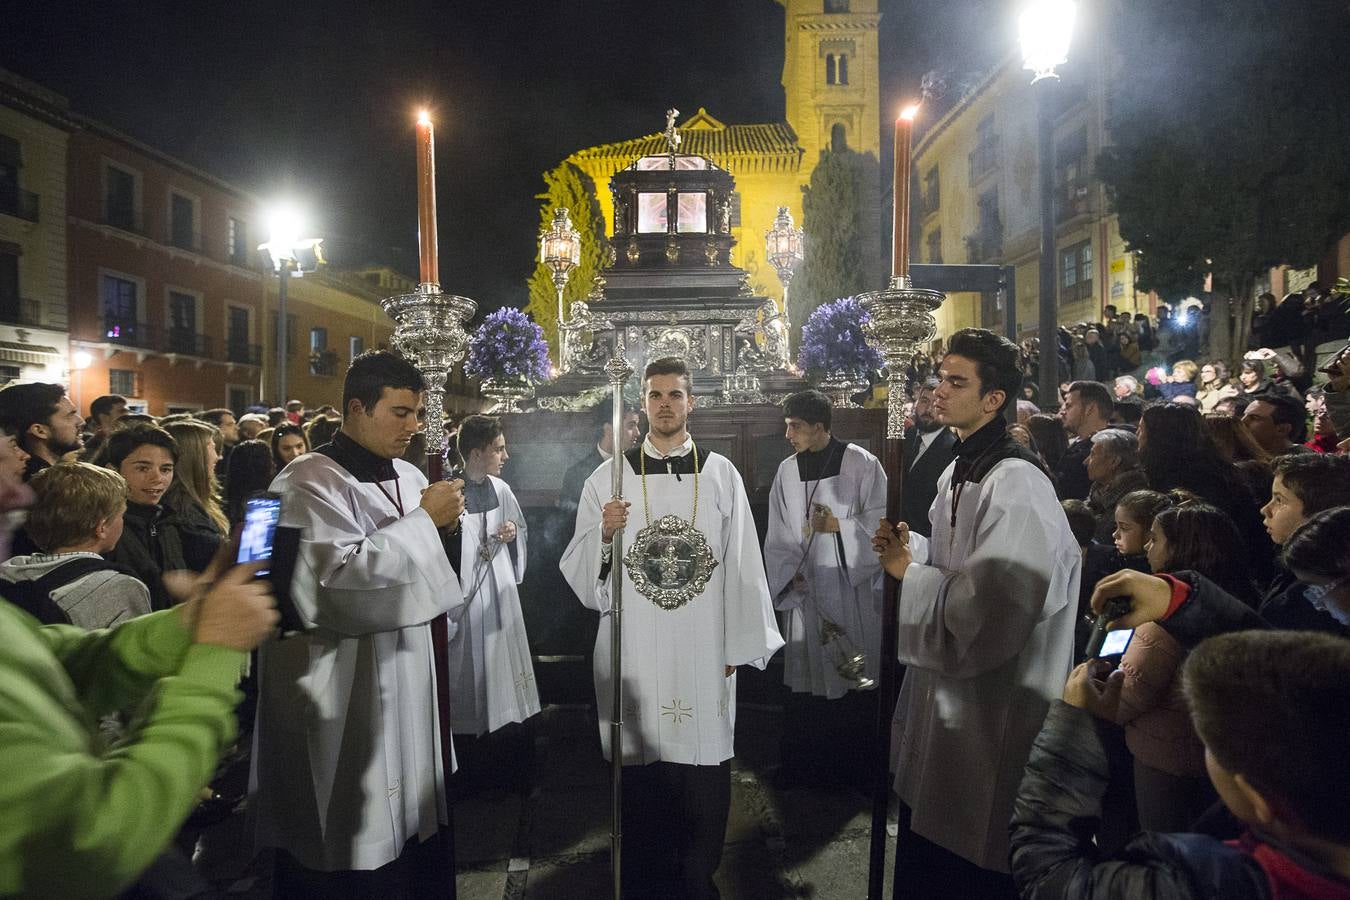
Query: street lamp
x,y
784,247
560,250
1044,29
79,361
288,252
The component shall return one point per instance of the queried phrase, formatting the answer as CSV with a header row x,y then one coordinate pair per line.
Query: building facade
x,y
977,197
165,290
35,127
830,84
331,318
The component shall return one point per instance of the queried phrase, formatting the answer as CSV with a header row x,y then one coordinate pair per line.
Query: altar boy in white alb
x,y
347,757
683,637
823,508
491,674
985,623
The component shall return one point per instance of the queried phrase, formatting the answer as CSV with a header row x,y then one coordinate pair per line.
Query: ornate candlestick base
x,y
429,331
900,321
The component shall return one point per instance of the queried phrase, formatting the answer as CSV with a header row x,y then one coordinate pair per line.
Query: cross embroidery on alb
x,y
523,680
677,711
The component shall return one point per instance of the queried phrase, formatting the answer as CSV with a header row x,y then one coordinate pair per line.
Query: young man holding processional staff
x,y
696,606
347,777
986,616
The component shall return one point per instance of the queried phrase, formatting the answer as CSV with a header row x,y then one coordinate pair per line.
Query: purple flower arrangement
x,y
833,341
508,345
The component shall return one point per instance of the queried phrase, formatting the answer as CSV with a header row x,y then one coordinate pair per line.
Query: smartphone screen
x,y
260,527
1115,642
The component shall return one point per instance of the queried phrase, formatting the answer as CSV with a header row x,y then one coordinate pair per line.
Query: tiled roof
x,y
702,135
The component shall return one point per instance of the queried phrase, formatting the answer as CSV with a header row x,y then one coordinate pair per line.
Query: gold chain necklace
x,y
646,506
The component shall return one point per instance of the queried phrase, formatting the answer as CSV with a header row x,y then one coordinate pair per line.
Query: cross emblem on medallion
x,y
677,711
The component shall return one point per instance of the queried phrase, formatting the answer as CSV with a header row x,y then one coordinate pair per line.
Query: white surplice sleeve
x,y
782,542
581,562
859,523
511,510
356,583
970,621
750,629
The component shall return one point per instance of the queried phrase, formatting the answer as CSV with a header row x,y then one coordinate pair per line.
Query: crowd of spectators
x,y
1229,494
1209,502
126,522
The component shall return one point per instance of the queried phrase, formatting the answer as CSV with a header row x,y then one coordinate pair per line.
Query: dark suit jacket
x,y
569,498
1071,477
921,478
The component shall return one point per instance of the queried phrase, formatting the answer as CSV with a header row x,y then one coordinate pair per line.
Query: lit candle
x,y
426,201
904,130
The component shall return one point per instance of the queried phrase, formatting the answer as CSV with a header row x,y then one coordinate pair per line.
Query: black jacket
x,y
1285,607
569,497
1060,802
150,546
1071,478
921,478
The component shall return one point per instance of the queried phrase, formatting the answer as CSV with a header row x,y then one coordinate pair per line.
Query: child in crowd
x,y
1305,484
77,515
1171,790
145,455
1273,711
1134,517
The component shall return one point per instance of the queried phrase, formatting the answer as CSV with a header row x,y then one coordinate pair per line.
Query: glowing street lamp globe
x,y
1044,31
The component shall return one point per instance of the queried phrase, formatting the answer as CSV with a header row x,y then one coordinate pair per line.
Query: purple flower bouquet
x,y
832,341
508,346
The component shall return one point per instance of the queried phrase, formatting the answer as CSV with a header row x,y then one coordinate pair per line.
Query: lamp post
x,y
560,250
287,252
1044,30
79,361
785,247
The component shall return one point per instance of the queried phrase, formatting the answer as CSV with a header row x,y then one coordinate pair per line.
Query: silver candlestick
x,y
429,330
900,320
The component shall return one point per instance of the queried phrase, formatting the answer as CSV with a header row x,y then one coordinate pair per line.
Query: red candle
x,y
426,201
904,130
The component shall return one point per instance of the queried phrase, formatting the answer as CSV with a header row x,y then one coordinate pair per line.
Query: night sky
x,y
317,101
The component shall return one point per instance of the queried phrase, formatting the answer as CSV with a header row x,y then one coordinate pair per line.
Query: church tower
x,y
830,75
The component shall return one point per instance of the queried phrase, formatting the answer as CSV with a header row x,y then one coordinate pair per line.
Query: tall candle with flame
x,y
428,264
904,131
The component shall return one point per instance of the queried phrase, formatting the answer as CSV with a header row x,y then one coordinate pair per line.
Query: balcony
x,y
323,362
984,246
243,352
19,203
186,341
929,202
1072,199
127,332
983,159
186,240
33,313
144,336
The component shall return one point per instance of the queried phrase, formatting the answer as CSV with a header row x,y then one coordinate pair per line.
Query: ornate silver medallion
x,y
670,562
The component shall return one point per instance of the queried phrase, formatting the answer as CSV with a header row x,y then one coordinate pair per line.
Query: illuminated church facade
x,y
830,83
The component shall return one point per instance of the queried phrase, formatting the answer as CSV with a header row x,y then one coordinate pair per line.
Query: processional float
x,y
900,321
429,330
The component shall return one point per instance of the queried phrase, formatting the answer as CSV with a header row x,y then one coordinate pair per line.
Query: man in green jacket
x,y
79,818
